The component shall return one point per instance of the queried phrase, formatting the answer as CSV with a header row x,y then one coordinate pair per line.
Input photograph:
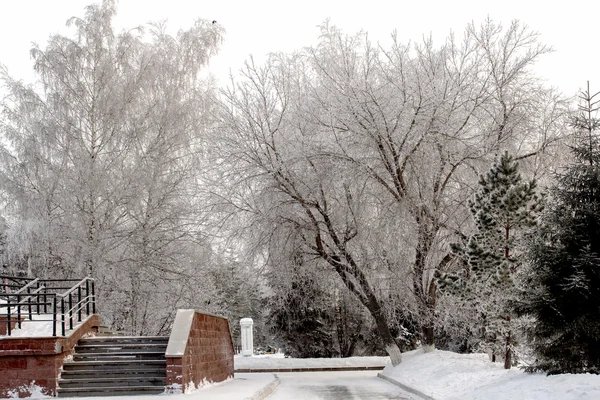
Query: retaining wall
x,y
200,351
30,362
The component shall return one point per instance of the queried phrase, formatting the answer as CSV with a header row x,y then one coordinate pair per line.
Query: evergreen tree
x,y
300,316
504,209
310,314
566,261
237,295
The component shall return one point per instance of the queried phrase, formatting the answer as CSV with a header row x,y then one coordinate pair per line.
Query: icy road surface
x,y
346,385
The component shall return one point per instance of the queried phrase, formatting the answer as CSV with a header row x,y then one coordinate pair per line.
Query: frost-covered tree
x,y
368,154
565,260
504,209
99,161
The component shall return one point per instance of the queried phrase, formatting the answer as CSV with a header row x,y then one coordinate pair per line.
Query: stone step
x,y
120,356
110,347
113,382
106,331
114,373
140,373
113,365
109,391
123,340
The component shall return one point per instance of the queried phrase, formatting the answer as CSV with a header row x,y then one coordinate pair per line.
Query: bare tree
x,y
369,154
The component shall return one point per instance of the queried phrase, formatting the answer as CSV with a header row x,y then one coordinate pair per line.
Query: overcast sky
x,y
260,26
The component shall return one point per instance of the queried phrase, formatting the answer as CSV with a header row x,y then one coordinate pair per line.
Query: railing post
x,y
71,310
54,321
45,301
8,321
79,306
18,311
62,318
38,298
87,296
93,297
29,302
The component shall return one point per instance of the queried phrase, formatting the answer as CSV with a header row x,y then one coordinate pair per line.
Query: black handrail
x,y
76,307
37,294
28,285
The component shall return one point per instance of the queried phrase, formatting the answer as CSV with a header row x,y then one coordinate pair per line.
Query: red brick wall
x,y
27,361
208,355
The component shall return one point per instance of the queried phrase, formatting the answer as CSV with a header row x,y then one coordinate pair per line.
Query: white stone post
x,y
247,339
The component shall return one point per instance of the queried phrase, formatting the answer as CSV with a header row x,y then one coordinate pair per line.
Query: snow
x,y
243,387
445,375
442,375
39,326
336,385
35,390
278,361
179,334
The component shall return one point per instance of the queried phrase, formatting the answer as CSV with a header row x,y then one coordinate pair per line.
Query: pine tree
x,y
504,209
566,261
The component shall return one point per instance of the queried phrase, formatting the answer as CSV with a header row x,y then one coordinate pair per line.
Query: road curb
x,y
267,390
405,387
309,369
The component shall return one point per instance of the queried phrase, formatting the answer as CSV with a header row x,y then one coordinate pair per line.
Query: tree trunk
x,y
425,295
368,298
508,353
508,358
365,295
391,347
356,282
428,337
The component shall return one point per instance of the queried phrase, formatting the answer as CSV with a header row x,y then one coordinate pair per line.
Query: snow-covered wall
x,y
200,350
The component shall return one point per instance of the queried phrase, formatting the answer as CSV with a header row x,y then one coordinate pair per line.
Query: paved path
x,y
346,385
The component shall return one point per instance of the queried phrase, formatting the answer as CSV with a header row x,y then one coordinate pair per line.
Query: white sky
x,y
260,26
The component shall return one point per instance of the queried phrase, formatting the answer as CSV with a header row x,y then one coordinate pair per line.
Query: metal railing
x,y
25,297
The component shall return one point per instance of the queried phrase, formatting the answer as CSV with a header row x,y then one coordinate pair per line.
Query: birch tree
x,y
101,156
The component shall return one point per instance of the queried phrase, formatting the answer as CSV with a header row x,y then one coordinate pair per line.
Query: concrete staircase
x,y
115,365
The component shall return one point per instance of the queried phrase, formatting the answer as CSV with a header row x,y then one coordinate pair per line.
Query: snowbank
x,y
449,376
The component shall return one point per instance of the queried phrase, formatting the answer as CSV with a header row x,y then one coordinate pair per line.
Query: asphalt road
x,y
347,385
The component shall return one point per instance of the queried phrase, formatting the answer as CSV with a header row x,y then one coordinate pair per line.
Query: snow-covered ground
x,y
336,385
278,361
243,387
439,374
449,376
